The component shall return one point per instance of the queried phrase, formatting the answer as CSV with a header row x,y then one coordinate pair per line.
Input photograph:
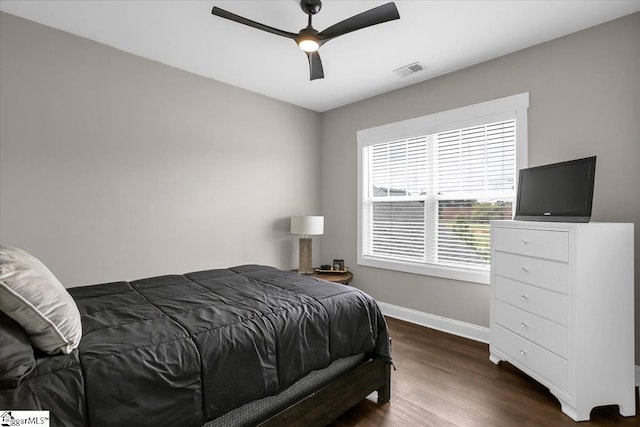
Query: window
x,y
429,186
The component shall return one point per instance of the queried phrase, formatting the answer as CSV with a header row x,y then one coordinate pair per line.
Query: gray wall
x,y
114,167
584,100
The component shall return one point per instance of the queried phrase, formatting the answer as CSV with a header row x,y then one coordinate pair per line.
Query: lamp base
x,y
306,265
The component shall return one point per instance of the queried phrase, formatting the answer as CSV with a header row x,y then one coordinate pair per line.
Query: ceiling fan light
x,y
308,45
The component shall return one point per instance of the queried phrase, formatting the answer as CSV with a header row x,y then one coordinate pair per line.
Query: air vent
x,y
409,69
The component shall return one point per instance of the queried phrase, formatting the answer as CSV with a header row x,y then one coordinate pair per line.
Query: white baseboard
x,y
455,327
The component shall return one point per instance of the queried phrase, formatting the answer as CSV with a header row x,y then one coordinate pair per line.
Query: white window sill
x,y
455,273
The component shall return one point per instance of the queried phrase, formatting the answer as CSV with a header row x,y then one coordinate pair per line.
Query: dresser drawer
x,y
548,367
547,334
544,303
547,244
547,274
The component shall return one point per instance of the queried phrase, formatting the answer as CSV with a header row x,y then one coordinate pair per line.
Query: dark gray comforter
x,y
184,349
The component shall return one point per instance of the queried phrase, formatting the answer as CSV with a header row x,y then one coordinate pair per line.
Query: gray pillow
x,y
16,353
32,296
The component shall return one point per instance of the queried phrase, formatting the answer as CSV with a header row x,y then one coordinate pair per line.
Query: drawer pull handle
x,y
523,353
525,269
524,242
524,297
523,324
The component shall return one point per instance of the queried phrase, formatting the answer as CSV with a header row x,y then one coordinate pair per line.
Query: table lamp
x,y
306,226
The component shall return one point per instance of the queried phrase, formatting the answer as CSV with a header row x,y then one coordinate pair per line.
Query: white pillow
x,y
32,296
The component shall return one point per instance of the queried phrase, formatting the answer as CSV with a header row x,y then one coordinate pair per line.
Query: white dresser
x,y
562,309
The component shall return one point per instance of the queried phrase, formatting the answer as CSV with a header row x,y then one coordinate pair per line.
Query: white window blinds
x,y
396,214
476,183
430,199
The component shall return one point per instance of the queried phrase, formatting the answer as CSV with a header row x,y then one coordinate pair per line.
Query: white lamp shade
x,y
307,225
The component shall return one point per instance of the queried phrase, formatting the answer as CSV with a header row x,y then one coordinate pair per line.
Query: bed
x,y
248,345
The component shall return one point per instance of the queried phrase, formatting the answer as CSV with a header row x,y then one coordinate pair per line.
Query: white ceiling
x,y
443,35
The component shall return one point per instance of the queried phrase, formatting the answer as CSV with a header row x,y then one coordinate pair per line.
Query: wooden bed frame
x,y
329,402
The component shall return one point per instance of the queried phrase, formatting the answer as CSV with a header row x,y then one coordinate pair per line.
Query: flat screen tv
x,y
559,192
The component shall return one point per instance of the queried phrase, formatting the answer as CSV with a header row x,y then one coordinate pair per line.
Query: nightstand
x,y
344,278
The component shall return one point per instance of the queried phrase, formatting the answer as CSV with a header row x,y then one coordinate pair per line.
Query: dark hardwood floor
x,y
445,380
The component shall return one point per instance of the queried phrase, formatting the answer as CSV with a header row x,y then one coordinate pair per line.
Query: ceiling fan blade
x,y
315,65
377,15
233,17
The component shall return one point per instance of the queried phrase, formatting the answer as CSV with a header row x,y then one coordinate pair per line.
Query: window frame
x,y
510,107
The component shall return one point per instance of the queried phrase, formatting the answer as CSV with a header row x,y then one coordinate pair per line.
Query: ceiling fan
x,y
309,39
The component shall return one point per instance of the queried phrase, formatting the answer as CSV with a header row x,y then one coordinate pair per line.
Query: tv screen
x,y
559,192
